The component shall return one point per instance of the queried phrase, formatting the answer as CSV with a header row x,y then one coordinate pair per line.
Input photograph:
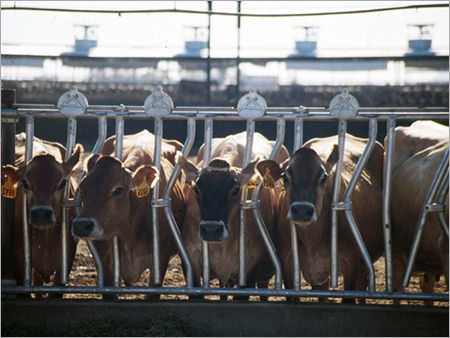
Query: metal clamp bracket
x,y
434,207
72,103
72,202
341,206
249,204
158,103
252,105
161,203
344,105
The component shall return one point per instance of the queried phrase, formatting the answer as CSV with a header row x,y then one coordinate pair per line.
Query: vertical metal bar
x,y
387,187
167,209
102,132
443,191
238,58
120,127
208,59
421,223
158,131
244,195
206,159
342,129
348,196
70,144
298,142
281,128
29,128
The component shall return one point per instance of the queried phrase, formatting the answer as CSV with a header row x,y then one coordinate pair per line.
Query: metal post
x,y
348,197
238,58
257,210
387,187
158,131
208,60
298,142
71,137
29,128
244,195
443,170
120,127
443,191
342,130
102,130
167,209
206,159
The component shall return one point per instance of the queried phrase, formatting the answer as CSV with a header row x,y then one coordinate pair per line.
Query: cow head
x,y
305,178
217,189
106,193
44,179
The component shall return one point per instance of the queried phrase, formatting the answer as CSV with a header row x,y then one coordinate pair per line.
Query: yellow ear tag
x,y
253,183
268,181
143,189
8,189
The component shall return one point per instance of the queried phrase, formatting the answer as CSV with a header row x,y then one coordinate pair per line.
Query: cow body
x,y
114,205
419,150
214,204
44,177
308,179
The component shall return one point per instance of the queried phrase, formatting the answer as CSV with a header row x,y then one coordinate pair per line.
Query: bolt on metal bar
x,y
281,129
29,129
348,196
158,132
70,144
298,142
443,191
342,130
206,159
167,209
387,188
443,170
120,127
244,196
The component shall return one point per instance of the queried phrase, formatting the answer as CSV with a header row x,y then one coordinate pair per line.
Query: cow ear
x,y
91,162
247,173
332,158
145,176
271,167
190,170
10,172
73,159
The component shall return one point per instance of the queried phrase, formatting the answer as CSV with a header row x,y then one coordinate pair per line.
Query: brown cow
x,y
308,179
419,150
212,212
116,198
44,178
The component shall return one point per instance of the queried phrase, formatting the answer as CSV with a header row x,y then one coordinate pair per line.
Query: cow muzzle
x,y
302,213
213,231
42,216
86,228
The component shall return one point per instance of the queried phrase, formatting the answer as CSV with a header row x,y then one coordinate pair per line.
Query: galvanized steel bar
x,y
70,144
206,159
98,263
443,170
342,130
281,129
443,191
188,143
244,195
228,291
158,132
120,129
102,130
29,129
387,188
298,134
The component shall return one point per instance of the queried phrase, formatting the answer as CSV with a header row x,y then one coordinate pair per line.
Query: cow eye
x,y
25,184
62,184
235,192
118,192
324,178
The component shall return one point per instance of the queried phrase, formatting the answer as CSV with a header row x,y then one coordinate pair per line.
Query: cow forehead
x,y
216,178
44,165
304,165
107,171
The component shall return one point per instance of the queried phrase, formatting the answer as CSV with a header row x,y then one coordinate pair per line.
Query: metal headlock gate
x,y
251,107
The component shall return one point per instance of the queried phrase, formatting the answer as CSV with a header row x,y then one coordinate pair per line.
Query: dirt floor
x,y
84,274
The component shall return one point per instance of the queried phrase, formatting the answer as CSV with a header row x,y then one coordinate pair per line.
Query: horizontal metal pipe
x,y
443,169
168,211
227,291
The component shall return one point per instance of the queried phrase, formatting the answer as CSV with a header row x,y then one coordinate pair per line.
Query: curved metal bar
x,y
168,210
443,191
98,263
298,134
281,128
155,196
244,196
120,127
206,158
71,138
29,129
102,131
342,130
387,188
422,218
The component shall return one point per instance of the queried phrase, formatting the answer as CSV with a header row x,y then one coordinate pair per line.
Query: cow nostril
x,y
294,211
310,212
33,214
48,214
